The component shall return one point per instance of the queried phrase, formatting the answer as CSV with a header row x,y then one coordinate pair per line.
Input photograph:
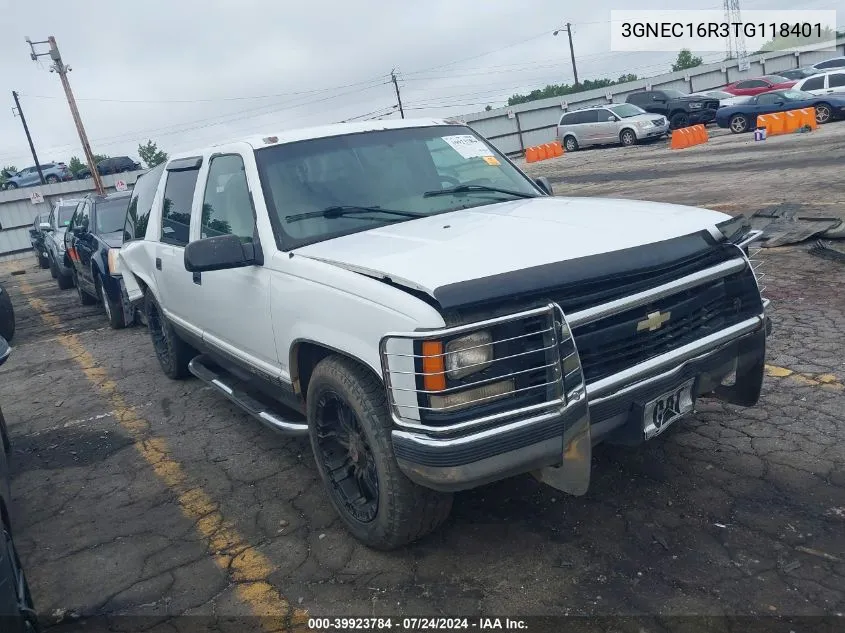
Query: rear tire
x,y
570,144
54,269
84,298
65,282
51,179
379,505
4,434
172,352
11,185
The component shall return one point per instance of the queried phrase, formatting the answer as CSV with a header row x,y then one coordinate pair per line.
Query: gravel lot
x,y
138,495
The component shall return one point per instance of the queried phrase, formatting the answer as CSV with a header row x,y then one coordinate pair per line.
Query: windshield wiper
x,y
472,188
338,211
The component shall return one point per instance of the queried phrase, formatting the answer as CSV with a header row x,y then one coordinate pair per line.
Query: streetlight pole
x,y
571,50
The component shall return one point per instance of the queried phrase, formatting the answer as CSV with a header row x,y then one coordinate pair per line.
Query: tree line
x,y
149,153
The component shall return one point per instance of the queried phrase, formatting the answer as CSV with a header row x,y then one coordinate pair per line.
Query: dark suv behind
x,y
681,110
115,165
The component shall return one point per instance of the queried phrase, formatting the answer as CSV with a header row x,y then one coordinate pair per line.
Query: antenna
x,y
736,41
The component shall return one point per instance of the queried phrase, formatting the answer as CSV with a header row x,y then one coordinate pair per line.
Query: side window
x,y
832,63
658,96
814,83
768,99
140,204
836,80
605,115
82,216
176,207
226,205
589,116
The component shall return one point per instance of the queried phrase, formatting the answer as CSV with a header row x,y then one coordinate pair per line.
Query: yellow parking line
x,y
246,567
815,380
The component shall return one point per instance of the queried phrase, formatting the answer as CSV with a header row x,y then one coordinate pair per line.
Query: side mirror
x,y
545,185
220,253
612,118
45,226
5,350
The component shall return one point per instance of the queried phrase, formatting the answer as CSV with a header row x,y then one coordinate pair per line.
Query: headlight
x,y
696,105
469,354
113,267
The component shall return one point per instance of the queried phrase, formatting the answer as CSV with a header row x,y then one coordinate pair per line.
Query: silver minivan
x,y
622,123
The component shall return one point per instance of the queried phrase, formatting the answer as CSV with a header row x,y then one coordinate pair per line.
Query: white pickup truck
x,y
432,318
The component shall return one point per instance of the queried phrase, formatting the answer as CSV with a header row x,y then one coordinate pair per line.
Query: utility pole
x,y
60,68
398,96
28,137
571,50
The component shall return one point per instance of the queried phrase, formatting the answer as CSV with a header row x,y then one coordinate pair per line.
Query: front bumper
x,y
611,407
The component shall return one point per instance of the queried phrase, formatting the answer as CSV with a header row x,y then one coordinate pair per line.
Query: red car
x,y
759,85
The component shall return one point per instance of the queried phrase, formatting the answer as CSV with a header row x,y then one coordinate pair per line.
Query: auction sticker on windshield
x,y
467,145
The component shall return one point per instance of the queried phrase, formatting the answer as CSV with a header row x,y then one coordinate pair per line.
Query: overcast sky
x,y
186,72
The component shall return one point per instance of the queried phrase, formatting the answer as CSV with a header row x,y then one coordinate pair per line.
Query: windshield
x,y
627,110
64,212
111,215
391,169
673,94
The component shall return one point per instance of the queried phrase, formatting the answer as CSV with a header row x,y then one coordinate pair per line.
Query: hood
x,y
113,240
643,117
428,253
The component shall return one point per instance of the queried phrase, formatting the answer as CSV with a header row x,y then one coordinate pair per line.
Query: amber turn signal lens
x,y
433,366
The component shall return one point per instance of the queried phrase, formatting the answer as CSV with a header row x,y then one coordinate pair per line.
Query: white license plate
x,y
661,412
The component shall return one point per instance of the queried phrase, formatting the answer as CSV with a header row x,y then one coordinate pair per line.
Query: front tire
x,y
172,352
54,269
113,310
11,185
627,138
739,123
7,317
66,282
679,120
570,144
822,113
350,427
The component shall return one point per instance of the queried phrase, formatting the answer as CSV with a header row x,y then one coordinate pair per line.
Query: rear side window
x,y
176,207
569,119
832,63
140,204
837,80
814,83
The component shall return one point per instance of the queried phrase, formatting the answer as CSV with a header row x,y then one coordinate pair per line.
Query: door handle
x,y
198,279
158,263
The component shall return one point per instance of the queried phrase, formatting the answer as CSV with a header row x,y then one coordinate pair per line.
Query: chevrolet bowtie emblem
x,y
654,321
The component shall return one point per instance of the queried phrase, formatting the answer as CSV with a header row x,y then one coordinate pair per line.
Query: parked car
x,y
829,64
17,612
36,238
93,238
798,73
758,85
831,82
7,316
114,165
743,117
681,110
60,266
432,318
53,173
725,98
621,123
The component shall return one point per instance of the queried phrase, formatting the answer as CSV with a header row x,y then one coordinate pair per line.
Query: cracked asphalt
x,y
137,495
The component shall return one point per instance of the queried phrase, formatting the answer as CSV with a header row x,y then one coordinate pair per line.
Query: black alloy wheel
x,y
347,456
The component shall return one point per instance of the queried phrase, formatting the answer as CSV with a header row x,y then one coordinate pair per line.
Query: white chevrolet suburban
x,y
430,317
